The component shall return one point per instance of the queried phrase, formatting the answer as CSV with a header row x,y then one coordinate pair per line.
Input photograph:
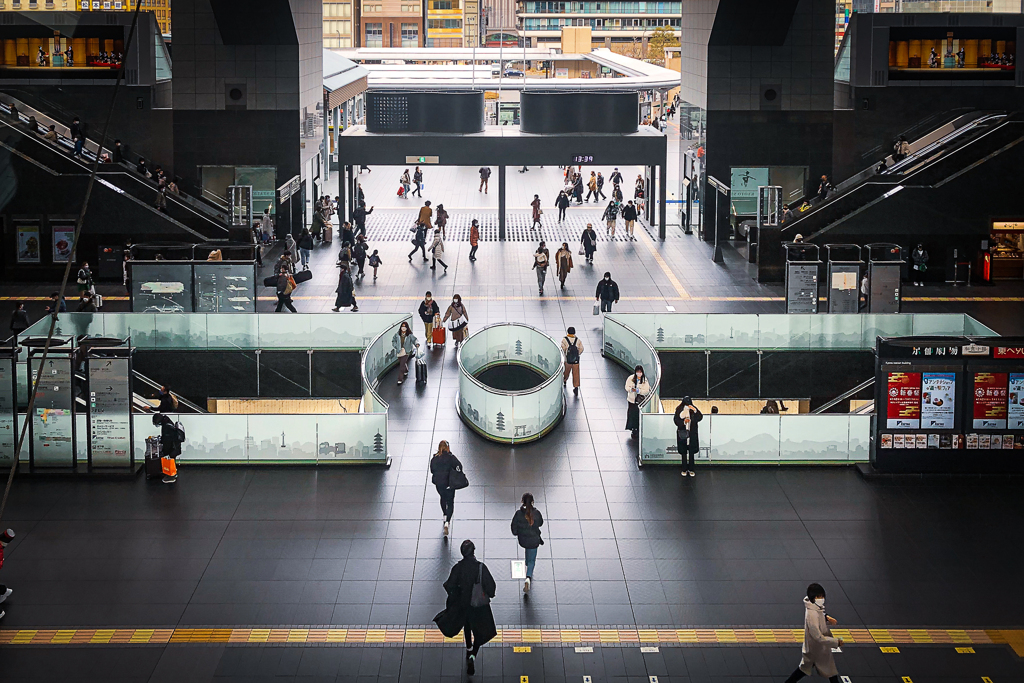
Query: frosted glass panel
x,y
835,331
940,324
733,331
784,331
281,437
744,437
815,437
885,325
351,437
228,331
658,438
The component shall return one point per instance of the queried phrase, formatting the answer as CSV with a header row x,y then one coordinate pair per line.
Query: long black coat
x,y
458,613
692,441
345,292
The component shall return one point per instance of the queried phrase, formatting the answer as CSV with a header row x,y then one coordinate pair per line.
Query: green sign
x,y
743,188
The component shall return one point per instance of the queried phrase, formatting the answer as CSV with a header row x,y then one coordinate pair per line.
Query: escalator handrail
x,y
182,401
206,207
845,395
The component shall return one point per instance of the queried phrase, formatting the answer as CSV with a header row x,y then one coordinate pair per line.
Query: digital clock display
x,y
582,159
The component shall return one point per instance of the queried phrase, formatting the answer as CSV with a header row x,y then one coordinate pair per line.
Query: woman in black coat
x,y
526,524
686,418
476,621
441,467
346,292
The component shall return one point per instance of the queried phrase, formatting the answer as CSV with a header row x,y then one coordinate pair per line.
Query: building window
x,y
374,35
371,8
415,9
336,27
444,23
337,42
337,9
410,35
444,4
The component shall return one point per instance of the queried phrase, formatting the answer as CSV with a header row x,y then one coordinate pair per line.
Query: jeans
x,y
419,190
304,255
541,274
531,560
447,501
606,306
78,146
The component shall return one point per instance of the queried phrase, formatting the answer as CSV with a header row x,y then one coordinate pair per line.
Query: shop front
x,y
1004,259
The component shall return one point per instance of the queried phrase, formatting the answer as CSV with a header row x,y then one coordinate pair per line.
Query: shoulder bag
x,y
457,479
479,598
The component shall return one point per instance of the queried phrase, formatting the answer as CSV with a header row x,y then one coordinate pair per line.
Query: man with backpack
x,y
172,435
572,347
485,176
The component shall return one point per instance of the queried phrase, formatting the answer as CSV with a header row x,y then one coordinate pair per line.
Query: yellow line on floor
x,y
651,247
683,296
426,636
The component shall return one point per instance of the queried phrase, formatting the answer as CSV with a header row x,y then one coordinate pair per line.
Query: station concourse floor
x,y
330,574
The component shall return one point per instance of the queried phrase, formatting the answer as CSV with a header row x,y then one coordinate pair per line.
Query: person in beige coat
x,y
459,317
572,348
637,388
563,263
818,640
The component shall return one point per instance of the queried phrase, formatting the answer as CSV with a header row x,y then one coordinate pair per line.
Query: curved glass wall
x,y
510,416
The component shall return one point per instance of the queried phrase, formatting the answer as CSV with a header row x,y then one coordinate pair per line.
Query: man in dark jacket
x,y
686,418
359,252
427,310
419,241
476,621
607,293
359,215
170,441
19,320
629,215
616,177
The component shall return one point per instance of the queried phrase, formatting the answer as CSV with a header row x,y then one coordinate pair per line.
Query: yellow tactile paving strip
x,y
687,297
567,636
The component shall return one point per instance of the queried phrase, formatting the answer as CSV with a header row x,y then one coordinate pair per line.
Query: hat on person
x,y
7,536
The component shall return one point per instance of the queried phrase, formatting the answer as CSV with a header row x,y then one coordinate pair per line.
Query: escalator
x,y
192,218
141,404
934,160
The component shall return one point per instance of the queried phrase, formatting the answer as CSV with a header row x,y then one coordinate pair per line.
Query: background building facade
x,y
391,23
620,25
339,22
161,9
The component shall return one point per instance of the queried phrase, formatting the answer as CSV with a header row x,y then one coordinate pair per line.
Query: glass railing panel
x,y
497,416
784,331
974,328
658,439
352,437
732,331
473,403
860,438
885,325
550,403
208,437
279,331
748,438
680,331
937,324
814,437
619,343
348,331
281,438
181,332
835,331
230,331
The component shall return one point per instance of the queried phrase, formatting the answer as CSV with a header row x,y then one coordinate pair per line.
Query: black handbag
x,y
479,598
457,479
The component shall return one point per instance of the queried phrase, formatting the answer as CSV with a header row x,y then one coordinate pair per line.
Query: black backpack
x,y
572,354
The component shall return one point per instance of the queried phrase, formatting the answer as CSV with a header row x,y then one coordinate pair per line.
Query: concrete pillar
x,y
662,199
892,53
501,203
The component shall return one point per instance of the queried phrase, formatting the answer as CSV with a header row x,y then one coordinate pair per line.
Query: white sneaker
x,y
692,473
526,585
6,595
446,528
2,614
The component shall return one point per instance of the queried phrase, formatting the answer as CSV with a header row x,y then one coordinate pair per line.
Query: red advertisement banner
x,y
903,408
990,397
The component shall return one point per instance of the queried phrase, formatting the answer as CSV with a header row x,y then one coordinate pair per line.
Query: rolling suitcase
x,y
328,235
154,468
439,335
421,372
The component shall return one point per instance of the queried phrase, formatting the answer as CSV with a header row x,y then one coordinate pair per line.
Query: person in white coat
x,y
437,249
818,640
637,388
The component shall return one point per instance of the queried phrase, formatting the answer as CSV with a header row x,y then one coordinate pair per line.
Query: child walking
x,y
375,262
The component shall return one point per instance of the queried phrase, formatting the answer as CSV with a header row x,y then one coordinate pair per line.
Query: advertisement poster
x,y
28,244
937,396
63,243
743,188
990,398
1015,412
903,410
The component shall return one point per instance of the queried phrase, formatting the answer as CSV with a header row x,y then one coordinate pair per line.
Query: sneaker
x,y
170,480
6,595
575,391
399,381
447,527
526,585
470,664
692,473
355,309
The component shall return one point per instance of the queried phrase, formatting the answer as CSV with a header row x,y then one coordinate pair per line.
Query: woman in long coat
x,y
818,639
477,622
563,263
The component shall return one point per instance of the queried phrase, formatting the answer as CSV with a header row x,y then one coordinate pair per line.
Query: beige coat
x,y
566,340
632,389
818,643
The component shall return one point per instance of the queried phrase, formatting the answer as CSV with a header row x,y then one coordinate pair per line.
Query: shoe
x,y
575,391
355,309
541,292
335,309
2,614
526,585
425,260
6,595
170,480
433,267
447,527
410,259
446,269
471,665
692,473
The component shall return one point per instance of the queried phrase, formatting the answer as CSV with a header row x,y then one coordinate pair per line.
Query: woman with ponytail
x,y
526,526
443,465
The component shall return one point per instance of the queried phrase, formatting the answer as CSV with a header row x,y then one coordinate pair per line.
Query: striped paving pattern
x,y
394,226
541,636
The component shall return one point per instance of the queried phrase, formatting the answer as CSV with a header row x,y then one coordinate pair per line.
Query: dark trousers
x,y
684,451
591,193
561,213
447,501
362,263
798,674
472,646
606,306
422,248
285,300
472,252
600,192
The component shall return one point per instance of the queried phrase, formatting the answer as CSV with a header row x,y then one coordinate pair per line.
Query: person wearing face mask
x,y
540,264
686,418
458,320
818,640
428,309
636,389
919,257
404,343
607,293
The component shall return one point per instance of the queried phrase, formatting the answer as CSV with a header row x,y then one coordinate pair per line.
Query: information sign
x,y
110,407
802,287
53,423
8,406
1015,412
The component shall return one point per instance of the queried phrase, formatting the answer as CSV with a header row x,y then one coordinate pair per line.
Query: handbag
x,y
582,252
479,598
457,479
597,309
